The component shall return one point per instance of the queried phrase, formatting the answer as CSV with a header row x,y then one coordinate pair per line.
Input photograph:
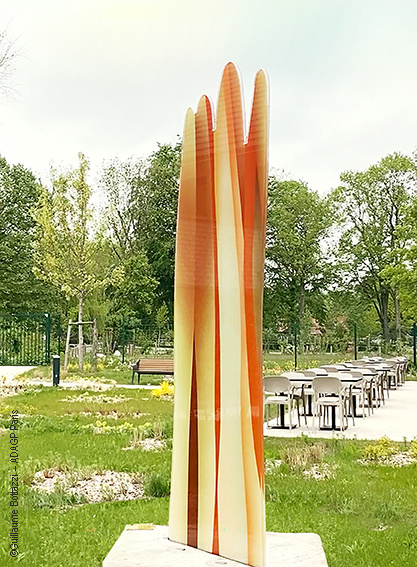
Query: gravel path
x,y
10,372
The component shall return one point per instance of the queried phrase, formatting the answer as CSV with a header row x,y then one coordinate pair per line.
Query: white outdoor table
x,y
346,378
307,380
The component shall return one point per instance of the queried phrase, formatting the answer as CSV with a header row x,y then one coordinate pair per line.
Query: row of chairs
x,y
328,393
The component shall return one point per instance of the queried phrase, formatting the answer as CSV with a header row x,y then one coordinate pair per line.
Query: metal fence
x,y
299,343
28,338
135,339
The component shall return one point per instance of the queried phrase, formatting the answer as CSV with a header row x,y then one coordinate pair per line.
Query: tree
x,y
8,55
373,206
402,273
126,210
347,308
69,249
133,294
296,261
19,289
161,321
141,215
162,185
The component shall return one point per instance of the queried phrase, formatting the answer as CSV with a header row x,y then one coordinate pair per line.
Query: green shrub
x,y
100,427
413,448
161,429
383,448
157,484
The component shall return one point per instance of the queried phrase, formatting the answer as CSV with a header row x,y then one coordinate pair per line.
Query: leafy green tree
x,y
134,293
402,273
296,272
373,208
161,321
141,216
346,308
69,248
19,289
126,210
162,184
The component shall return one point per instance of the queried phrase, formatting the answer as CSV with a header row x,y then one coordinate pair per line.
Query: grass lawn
x,y
121,372
365,515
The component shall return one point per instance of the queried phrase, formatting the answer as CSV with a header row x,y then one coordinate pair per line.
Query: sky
x,y
115,77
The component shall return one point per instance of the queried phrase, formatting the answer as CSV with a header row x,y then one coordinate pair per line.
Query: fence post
x,y
415,345
295,348
355,342
47,337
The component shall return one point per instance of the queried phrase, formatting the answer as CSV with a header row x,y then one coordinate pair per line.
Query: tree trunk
x,y
94,346
384,315
397,315
67,344
301,307
301,302
80,334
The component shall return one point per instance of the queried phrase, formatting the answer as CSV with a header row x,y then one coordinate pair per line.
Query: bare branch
x,y
8,55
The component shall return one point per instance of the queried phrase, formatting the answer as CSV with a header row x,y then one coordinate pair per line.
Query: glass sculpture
x,y
217,492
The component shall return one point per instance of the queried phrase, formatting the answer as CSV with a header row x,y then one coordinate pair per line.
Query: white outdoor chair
x,y
399,370
278,391
403,368
380,382
363,389
300,392
329,391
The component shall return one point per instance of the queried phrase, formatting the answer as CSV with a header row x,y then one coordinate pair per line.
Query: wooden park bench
x,y
164,366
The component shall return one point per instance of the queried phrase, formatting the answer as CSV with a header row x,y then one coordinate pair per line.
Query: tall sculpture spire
x,y
217,493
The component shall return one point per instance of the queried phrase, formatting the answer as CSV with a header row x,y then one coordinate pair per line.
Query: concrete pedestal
x,y
145,545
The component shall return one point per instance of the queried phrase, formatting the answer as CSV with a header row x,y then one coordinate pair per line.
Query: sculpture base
x,y
145,545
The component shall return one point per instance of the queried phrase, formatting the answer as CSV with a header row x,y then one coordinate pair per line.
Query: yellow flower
x,y
165,389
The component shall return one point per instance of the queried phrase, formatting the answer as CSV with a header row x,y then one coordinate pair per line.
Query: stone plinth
x,y
145,545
